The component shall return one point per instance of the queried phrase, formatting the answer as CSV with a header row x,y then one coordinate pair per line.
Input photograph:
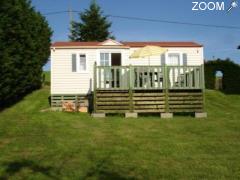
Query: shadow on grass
x,y
12,168
14,99
103,170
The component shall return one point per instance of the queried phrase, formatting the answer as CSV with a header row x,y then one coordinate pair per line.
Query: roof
x,y
61,44
128,44
162,44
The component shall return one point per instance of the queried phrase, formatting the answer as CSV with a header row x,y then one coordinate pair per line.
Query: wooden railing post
x,y
76,104
202,78
130,89
166,79
203,84
95,87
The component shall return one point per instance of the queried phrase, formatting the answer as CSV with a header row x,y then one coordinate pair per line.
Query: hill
x,y
58,145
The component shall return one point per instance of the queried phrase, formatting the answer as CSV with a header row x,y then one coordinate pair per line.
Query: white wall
x,y
64,81
195,56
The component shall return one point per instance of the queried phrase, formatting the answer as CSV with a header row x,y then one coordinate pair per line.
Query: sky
x,y
218,42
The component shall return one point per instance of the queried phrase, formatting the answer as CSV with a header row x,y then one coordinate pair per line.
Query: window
x,y
174,59
104,59
184,59
82,62
79,63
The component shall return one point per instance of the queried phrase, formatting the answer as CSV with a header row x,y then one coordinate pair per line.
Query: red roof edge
x,y
163,44
130,44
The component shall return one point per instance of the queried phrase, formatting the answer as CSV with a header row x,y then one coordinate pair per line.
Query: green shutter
x,y
74,62
184,59
163,61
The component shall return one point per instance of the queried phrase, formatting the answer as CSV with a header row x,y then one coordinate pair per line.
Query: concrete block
x,y
56,109
98,115
131,115
166,115
200,115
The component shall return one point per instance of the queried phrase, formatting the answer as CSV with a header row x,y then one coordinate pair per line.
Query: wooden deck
x,y
148,101
148,89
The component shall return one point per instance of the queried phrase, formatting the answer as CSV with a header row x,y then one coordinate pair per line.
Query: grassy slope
x,y
47,77
46,145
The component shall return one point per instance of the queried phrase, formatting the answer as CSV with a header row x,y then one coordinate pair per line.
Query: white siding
x,y
194,56
64,81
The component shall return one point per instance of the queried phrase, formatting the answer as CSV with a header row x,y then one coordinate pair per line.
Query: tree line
x,y
25,40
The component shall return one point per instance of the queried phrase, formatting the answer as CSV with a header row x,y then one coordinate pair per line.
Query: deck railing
x,y
148,77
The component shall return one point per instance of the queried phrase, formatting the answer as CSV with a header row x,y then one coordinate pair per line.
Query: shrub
x,y
24,49
231,75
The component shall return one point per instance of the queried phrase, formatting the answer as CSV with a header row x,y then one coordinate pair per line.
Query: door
x,y
110,76
116,59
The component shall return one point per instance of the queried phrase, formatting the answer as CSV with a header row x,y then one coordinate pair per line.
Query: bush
x,y
24,49
231,75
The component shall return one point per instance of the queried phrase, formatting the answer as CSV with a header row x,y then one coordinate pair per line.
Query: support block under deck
x,y
200,115
131,115
98,115
166,115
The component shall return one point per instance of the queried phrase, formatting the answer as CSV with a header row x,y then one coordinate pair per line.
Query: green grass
x,y
47,77
60,145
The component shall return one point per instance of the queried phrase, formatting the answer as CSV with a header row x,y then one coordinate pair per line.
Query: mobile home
x,y
118,83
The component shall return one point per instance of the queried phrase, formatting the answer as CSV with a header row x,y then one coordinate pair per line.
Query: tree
x,y
93,25
24,49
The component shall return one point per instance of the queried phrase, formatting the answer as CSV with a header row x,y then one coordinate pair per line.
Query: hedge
x,y
24,49
231,75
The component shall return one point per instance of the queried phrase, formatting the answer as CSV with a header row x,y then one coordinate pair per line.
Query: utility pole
x,y
70,18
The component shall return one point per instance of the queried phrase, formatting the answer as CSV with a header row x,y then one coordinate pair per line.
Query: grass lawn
x,y
60,145
47,75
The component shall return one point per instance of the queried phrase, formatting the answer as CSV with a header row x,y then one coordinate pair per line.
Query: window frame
x,y
78,63
109,56
174,52
79,60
